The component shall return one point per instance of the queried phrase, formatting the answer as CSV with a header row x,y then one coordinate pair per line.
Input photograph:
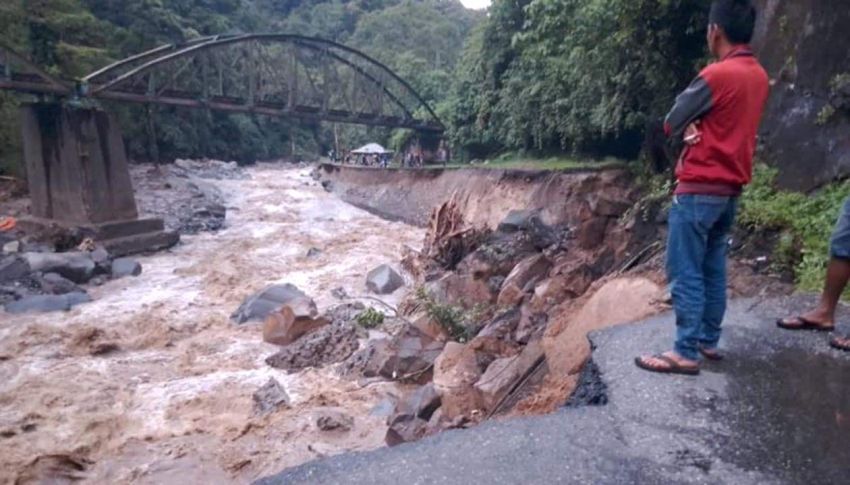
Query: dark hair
x,y
737,18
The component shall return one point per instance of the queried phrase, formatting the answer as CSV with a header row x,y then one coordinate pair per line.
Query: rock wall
x,y
805,47
485,196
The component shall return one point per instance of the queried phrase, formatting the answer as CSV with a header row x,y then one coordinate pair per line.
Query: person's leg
x,y
837,276
686,246
714,269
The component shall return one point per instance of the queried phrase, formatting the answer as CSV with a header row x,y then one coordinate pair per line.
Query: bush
x,y
458,322
370,318
806,221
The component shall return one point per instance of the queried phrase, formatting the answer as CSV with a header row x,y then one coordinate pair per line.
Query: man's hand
x,y
692,134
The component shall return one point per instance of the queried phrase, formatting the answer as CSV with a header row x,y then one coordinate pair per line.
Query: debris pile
x,y
473,339
182,195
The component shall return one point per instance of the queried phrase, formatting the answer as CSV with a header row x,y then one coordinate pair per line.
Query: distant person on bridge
x,y
718,116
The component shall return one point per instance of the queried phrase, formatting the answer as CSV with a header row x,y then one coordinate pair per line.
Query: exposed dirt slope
x,y
486,195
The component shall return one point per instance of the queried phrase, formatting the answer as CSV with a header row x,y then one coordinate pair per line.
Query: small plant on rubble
x,y
370,318
457,321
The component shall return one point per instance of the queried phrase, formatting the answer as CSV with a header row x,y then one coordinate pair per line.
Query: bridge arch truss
x,y
271,74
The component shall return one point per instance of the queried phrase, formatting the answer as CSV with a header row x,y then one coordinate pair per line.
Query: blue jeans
x,y
696,268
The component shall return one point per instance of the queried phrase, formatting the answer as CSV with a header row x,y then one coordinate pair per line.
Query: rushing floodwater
x,y
175,402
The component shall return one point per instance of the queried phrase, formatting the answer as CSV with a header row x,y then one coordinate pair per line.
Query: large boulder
x,y
592,232
407,356
420,403
296,319
456,371
496,338
55,284
503,374
260,305
516,220
334,420
384,280
431,328
461,290
531,324
75,266
327,345
803,46
522,278
122,267
12,246
619,301
406,431
47,303
13,268
498,255
270,397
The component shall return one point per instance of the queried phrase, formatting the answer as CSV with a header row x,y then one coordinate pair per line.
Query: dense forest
x,y
537,76
573,75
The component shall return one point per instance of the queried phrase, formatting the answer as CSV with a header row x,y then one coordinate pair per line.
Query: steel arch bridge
x,y
270,74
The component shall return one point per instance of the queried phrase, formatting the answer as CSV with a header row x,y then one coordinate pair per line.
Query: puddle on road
x,y
789,415
176,399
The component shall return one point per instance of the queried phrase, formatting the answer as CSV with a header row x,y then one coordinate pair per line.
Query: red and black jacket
x,y
727,98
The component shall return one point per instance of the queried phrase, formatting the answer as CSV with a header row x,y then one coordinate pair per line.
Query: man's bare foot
x,y
814,320
668,363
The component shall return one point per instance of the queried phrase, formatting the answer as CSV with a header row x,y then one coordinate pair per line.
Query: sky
x,y
476,4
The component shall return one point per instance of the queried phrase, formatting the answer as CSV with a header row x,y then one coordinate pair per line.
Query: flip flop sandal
x,y
711,354
840,344
674,367
804,325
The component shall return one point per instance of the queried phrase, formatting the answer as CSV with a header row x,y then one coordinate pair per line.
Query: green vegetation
x,y
515,160
805,221
458,322
370,318
586,76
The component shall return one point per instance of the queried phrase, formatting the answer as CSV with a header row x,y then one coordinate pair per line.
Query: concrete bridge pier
x,y
78,178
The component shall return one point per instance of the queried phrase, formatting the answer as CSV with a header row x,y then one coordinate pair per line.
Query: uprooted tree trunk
x,y
448,240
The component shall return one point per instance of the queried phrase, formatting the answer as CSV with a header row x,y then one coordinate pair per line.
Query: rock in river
x,y
260,305
122,267
47,303
75,266
270,397
296,319
384,280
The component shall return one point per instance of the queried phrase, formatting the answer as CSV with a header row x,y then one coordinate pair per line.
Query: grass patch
x,y
805,220
370,318
517,161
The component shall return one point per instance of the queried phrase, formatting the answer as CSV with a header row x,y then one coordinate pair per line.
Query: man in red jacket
x,y
718,116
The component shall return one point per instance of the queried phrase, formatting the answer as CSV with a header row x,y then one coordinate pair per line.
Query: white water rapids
x,y
174,403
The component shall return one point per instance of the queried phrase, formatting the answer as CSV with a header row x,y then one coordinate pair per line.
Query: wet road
x,y
776,411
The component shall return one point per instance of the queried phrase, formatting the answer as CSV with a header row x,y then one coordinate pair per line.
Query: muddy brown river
x,y
174,402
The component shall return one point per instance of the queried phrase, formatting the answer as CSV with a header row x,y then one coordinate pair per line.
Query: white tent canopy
x,y
371,149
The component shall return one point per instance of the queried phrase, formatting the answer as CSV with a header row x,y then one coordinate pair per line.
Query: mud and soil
x,y
152,383
486,195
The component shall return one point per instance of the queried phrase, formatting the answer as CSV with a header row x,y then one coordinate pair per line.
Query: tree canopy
x,y
586,75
